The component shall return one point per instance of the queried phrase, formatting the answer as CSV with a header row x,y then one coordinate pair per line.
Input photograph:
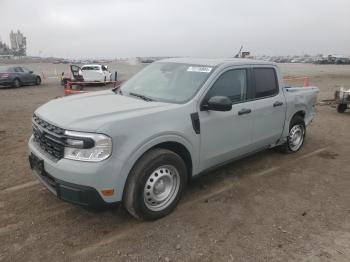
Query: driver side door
x,y
23,77
106,73
76,72
227,135
31,78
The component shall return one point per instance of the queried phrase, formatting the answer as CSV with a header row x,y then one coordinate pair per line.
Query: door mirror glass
x,y
218,103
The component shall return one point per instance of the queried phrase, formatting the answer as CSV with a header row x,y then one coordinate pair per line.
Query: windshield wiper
x,y
146,98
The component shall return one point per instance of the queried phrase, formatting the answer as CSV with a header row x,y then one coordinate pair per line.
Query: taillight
x,y
6,75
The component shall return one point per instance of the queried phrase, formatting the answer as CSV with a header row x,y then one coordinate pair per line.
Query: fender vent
x,y
196,123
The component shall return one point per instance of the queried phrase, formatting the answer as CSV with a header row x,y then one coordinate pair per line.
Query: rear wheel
x,y
341,108
16,83
296,136
155,184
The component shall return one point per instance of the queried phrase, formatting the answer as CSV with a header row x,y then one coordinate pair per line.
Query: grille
x,y
48,126
49,138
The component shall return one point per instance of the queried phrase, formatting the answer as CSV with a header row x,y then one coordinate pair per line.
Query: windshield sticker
x,y
199,69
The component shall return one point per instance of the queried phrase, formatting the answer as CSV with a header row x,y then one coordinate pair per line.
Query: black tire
x,y
287,148
16,83
341,108
38,81
135,192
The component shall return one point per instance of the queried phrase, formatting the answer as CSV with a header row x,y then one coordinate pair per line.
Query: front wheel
x,y
296,136
155,184
37,81
341,108
16,83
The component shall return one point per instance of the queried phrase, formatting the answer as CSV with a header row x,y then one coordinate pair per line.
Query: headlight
x,y
87,146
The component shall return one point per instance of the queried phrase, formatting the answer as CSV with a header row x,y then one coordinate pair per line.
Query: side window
x,y
265,82
18,70
104,68
232,84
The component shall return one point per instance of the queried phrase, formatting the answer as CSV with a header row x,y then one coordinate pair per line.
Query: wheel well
x,y
299,113
181,151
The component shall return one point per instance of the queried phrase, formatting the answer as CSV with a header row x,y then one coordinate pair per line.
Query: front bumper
x,y
74,181
72,193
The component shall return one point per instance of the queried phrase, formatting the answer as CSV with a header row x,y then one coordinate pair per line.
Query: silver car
x,y
141,142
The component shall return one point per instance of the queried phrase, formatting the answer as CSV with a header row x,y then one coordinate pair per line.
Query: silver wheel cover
x,y
296,137
161,187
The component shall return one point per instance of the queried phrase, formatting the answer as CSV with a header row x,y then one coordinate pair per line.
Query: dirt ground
x,y
268,207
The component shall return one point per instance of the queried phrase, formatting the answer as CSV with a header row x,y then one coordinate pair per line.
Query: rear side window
x,y
90,68
265,82
232,84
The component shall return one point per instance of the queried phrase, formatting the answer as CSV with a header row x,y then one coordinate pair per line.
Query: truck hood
x,y
88,112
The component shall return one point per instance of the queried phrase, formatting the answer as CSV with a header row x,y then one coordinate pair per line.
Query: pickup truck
x,y
140,143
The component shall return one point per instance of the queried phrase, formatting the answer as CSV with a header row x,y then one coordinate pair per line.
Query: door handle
x,y
277,103
244,111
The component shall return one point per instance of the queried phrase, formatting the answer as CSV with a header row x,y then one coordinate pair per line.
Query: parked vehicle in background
x,y
342,99
92,73
17,76
177,118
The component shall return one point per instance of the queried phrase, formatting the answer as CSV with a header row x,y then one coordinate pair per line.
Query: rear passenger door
x,y
269,107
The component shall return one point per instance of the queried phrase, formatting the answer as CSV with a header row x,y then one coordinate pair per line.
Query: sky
x,y
195,28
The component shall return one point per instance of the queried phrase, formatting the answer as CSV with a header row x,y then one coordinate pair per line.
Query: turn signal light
x,y
107,192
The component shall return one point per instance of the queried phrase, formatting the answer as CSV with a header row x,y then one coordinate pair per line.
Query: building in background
x,y
18,43
4,49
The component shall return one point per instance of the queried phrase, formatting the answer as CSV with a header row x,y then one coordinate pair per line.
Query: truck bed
x,y
301,99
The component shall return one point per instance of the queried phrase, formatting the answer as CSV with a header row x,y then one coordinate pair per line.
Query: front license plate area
x,y
36,164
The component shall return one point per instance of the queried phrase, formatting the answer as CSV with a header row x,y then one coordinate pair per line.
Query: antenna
x,y
239,53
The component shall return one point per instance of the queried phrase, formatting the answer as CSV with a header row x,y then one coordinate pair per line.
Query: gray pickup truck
x,y
177,118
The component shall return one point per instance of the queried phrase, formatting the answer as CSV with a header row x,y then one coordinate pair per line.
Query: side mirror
x,y
31,72
218,103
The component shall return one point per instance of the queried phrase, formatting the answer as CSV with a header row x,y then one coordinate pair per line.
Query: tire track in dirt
x,y
20,186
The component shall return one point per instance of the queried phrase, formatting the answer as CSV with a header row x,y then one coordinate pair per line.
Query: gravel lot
x,y
268,207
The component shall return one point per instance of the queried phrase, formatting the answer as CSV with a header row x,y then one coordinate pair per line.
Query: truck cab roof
x,y
217,61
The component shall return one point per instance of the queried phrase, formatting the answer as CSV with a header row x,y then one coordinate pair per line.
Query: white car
x,y
92,73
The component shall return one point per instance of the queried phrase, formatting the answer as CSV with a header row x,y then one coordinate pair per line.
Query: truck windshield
x,y
168,82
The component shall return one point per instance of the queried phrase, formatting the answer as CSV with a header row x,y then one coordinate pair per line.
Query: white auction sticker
x,y
199,69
